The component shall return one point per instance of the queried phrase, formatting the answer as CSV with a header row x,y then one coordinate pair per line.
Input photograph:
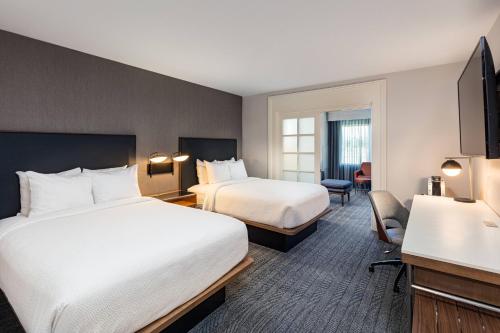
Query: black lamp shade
x,y
451,168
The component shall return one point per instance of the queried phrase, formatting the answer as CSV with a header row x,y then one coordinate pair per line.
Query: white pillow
x,y
201,171
50,193
24,187
104,170
237,170
217,172
108,186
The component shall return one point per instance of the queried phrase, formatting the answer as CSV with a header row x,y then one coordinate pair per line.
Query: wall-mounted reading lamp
x,y
162,163
452,168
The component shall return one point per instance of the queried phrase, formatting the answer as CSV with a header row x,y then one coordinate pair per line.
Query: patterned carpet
x,y
321,285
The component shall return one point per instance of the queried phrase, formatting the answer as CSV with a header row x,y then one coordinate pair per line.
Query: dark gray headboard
x,y
203,149
55,152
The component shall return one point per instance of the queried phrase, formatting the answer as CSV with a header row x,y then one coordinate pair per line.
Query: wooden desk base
x,y
436,314
446,302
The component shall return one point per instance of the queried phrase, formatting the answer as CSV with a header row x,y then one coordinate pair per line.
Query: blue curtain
x,y
349,144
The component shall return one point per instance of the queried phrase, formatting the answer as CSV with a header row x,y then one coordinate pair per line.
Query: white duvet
x,y
278,203
115,267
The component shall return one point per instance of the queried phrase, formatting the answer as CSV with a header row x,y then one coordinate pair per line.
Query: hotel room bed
x,y
113,268
277,203
120,265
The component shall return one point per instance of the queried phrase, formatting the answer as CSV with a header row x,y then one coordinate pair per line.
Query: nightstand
x,y
183,198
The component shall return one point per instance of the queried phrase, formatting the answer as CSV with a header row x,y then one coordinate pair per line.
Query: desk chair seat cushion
x,y
391,223
396,235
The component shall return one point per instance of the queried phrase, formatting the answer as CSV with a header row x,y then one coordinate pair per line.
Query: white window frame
x,y
277,156
298,153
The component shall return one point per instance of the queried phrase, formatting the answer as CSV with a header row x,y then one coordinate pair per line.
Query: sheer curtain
x,y
349,144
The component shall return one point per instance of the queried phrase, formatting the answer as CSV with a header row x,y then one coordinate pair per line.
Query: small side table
x,y
183,198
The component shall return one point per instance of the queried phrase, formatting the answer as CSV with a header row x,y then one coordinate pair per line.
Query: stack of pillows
x,y
46,193
220,171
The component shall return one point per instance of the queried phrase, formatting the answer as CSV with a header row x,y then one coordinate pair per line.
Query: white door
x,y
298,149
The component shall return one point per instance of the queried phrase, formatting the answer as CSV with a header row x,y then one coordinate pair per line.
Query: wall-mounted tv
x,y
478,99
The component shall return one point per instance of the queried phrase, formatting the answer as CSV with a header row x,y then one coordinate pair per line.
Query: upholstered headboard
x,y
203,149
55,152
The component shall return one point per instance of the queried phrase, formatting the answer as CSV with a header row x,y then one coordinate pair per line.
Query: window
x,y
355,145
298,149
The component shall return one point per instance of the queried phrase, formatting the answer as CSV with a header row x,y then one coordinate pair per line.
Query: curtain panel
x,y
349,144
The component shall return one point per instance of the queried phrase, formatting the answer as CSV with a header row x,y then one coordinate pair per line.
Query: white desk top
x,y
442,229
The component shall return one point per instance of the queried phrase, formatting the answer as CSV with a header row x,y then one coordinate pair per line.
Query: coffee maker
x,y
436,186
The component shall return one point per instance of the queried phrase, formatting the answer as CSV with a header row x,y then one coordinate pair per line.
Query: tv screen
x,y
477,93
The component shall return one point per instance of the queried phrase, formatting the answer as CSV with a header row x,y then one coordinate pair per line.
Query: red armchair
x,y
363,176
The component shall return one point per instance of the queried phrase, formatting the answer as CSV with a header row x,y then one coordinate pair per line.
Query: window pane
x,y
306,162
291,176
306,144
306,177
290,126
289,144
306,125
355,141
290,162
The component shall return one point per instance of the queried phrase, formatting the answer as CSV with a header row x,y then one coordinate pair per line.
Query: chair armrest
x,y
357,173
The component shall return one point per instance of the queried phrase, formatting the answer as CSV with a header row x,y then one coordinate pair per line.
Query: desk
x,y
453,262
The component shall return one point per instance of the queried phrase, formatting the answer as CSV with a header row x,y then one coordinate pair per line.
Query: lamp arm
x,y
471,189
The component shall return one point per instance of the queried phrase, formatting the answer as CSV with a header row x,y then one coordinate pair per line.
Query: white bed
x,y
115,267
281,204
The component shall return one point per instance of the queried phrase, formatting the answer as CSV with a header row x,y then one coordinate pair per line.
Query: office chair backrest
x,y
386,206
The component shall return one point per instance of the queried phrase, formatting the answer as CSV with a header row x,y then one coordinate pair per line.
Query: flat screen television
x,y
479,105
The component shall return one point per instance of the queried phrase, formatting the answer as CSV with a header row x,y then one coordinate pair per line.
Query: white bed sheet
x,y
278,203
200,199
115,267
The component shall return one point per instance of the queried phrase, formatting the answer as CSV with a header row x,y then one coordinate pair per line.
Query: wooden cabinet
x,y
444,302
432,313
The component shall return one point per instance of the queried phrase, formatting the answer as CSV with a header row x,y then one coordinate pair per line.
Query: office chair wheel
x,y
371,268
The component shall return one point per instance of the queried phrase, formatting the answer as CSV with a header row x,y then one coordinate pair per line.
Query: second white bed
x,y
281,204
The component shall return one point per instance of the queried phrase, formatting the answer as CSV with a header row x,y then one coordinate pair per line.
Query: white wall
x,y
422,128
254,130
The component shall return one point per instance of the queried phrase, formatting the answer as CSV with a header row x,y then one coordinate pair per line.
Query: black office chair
x,y
391,217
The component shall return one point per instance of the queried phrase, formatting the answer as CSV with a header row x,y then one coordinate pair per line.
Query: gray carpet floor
x,y
321,285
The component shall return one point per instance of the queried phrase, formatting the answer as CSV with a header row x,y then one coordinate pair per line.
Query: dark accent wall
x,y
48,88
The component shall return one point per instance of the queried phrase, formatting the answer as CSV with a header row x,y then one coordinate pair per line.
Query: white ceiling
x,y
254,46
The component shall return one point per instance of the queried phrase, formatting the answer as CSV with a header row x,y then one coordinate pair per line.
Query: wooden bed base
x,y
282,239
187,315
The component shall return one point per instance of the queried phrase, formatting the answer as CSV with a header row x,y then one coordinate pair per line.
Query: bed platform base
x,y
187,315
196,315
282,239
